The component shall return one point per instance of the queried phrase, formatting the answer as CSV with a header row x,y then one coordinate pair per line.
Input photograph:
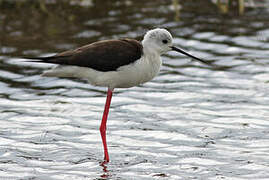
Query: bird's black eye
x,y
165,41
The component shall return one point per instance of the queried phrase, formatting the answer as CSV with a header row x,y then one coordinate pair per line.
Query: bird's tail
x,y
38,59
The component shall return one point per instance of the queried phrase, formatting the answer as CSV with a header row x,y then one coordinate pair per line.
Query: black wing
x,y
106,55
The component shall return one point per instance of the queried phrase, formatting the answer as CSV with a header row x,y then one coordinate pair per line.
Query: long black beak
x,y
187,54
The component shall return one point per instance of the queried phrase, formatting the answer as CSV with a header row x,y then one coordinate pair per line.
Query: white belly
x,y
141,71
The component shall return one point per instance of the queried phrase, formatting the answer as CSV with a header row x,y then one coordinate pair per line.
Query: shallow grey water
x,y
191,122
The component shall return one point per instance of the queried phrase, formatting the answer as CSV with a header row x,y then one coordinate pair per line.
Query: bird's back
x,y
107,55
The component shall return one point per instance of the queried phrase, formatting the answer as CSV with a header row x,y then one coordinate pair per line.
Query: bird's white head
x,y
160,41
157,40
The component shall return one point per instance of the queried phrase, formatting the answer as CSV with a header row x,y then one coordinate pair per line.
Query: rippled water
x,y
191,122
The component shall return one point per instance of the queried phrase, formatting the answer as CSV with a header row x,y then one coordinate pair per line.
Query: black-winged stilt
x,y
113,64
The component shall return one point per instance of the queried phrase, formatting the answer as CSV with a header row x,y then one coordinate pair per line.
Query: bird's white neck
x,y
150,48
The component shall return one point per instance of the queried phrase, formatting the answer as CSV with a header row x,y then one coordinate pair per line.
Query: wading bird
x,y
121,63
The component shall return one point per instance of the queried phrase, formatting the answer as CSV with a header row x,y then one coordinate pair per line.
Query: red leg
x,y
103,123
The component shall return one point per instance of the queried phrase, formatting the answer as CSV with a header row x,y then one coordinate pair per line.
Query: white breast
x,y
141,71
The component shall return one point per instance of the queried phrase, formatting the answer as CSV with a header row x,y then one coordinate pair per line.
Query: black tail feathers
x,y
38,59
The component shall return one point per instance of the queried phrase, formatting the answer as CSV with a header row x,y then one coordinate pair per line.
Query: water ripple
x,y
193,121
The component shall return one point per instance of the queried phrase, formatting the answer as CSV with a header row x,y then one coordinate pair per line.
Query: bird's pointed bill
x,y
187,54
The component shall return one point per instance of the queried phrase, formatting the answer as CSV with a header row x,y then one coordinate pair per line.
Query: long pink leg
x,y
103,123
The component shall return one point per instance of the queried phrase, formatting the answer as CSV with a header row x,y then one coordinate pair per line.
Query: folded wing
x,y
104,56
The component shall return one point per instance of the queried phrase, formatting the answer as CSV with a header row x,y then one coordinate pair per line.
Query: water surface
x,y
191,122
